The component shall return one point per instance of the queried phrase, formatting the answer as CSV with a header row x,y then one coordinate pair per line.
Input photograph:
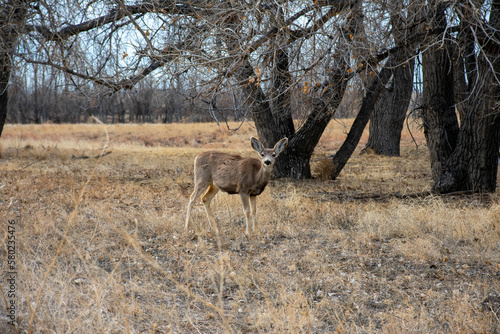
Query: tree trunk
x,y
292,162
370,99
438,111
389,113
12,16
474,163
280,91
388,116
259,105
5,68
272,125
295,162
470,163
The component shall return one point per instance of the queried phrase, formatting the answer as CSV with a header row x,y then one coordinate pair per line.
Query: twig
x,y
95,157
31,163
365,196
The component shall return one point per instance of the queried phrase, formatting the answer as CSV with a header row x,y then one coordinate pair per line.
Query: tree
x,y
274,120
265,48
464,157
12,18
371,97
438,110
389,113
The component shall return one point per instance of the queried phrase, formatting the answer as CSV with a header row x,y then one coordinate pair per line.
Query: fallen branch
x,y
87,157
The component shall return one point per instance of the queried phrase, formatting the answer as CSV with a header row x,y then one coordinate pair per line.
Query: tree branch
x,y
334,10
120,12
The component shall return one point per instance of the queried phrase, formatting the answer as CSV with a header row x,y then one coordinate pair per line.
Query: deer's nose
x,y
267,162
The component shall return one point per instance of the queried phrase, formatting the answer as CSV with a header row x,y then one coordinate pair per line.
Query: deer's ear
x,y
256,144
280,146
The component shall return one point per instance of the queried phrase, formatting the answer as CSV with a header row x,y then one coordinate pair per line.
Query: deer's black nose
x,y
267,162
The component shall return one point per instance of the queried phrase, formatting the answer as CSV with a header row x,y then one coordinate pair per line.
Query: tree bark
x,y
389,113
12,16
259,105
280,95
472,162
280,92
4,81
438,111
370,99
295,162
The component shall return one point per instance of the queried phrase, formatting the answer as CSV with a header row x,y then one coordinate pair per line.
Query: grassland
x,y
100,245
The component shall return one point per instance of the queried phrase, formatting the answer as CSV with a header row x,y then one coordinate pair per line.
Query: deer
x,y
233,174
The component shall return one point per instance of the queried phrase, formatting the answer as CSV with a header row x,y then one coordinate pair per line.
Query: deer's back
x,y
231,173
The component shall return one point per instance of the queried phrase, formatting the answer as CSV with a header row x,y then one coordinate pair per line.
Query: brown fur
x,y
231,173
214,171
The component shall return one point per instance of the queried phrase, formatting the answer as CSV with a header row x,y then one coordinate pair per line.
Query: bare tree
x,y
463,156
265,48
438,110
12,18
390,110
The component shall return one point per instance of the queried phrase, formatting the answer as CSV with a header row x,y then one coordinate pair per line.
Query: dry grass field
x,y
100,246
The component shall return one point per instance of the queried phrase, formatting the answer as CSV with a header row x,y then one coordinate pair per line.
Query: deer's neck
x,y
264,174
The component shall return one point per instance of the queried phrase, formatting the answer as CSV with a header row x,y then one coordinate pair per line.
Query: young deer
x,y
214,171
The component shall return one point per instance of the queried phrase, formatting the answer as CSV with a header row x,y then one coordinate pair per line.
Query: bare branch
x,y
164,6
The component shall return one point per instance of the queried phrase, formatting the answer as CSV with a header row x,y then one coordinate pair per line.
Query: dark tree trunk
x,y
280,92
438,110
474,163
259,105
468,160
389,113
388,116
461,89
280,95
370,99
294,162
12,16
5,66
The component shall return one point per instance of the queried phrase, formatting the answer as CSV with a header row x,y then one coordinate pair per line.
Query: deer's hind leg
x,y
199,189
207,199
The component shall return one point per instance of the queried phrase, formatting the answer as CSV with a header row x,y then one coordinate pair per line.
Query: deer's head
x,y
268,155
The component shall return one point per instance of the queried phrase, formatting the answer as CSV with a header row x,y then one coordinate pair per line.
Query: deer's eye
x,y
262,154
274,154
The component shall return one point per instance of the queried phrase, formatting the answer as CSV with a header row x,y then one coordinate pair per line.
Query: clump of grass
x,y
323,168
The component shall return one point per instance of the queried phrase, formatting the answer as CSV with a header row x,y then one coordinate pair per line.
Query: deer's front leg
x,y
245,199
253,213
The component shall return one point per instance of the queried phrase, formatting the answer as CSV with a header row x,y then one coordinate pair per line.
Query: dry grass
x,y
358,254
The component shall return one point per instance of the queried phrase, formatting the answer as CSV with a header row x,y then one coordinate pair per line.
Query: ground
x,y
97,217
